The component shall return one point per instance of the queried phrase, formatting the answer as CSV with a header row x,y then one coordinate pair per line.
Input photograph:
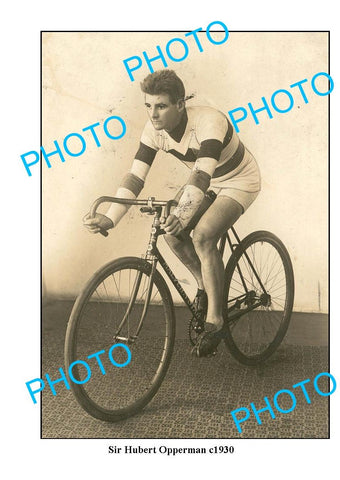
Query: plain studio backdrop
x,y
84,82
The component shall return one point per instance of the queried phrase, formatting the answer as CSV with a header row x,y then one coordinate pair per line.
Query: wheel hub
x,y
265,299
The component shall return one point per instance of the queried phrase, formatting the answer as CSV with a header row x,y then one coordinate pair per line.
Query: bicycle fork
x,y
153,261
132,338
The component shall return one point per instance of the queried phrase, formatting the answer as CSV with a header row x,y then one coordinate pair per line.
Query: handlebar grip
x,y
105,233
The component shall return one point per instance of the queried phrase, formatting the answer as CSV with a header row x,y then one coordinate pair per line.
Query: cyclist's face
x,y
163,114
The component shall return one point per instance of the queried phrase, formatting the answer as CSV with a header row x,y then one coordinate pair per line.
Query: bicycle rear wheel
x,y
92,328
259,274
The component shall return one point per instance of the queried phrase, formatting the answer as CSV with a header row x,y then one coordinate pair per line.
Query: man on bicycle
x,y
206,142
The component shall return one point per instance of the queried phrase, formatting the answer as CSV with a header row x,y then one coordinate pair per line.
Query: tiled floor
x,y
197,396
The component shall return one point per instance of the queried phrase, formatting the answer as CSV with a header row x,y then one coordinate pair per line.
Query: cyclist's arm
x,y
130,187
133,182
195,189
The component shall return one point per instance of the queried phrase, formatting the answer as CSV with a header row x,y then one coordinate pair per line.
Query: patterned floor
x,y
197,396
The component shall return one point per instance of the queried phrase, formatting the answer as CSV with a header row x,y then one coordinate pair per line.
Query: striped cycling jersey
x,y
202,132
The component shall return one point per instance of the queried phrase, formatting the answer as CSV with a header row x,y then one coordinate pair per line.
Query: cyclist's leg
x,y
185,251
221,215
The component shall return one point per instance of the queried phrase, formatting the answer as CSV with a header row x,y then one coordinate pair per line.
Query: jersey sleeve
x,y
133,182
211,131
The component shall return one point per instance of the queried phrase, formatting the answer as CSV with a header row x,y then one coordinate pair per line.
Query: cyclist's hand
x,y
172,225
94,225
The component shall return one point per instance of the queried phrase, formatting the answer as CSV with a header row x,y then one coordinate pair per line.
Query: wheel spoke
x,y
254,335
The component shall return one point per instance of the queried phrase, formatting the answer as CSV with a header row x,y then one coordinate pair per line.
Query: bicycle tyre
x,y
91,326
254,336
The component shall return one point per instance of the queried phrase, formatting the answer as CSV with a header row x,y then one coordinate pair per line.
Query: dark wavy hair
x,y
164,82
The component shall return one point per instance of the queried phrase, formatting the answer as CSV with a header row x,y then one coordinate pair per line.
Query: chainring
x,y
195,328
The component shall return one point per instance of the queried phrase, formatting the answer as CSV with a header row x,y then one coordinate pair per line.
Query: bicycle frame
x,y
128,300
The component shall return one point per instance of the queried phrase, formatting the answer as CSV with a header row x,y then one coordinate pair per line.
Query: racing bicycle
x,y
128,301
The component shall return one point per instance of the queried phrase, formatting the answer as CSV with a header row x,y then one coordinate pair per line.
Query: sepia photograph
x,y
184,234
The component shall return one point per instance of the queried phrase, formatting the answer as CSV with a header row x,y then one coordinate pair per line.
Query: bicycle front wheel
x,y
106,313
259,294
